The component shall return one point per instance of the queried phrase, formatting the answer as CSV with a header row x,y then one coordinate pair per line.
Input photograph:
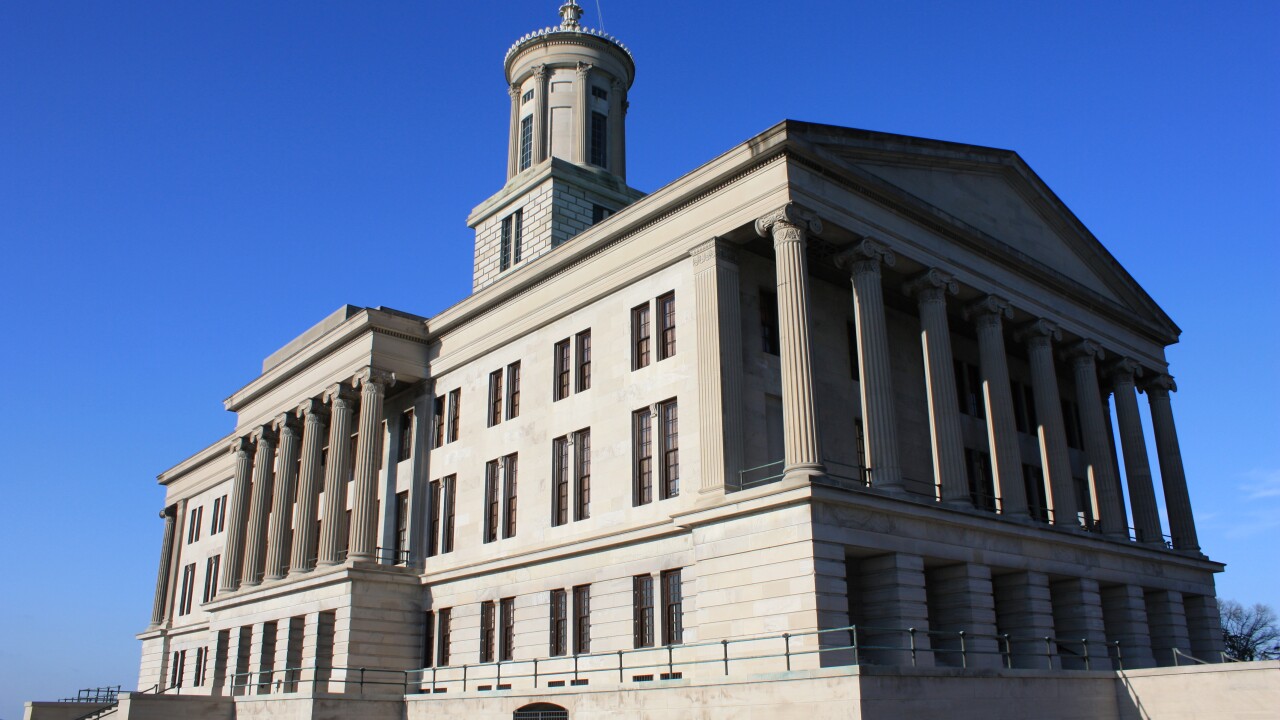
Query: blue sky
x,y
184,187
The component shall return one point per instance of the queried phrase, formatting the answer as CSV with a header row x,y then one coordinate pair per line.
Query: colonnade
x,y
788,228
540,148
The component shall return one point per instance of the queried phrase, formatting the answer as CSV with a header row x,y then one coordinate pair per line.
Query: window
x,y
583,352
442,637
599,139
640,336
982,491
599,92
211,567
193,528
642,449
560,390
428,639
202,657
495,397
433,529
599,212
582,474
559,624
491,501
1024,408
486,631
179,665
509,250
405,450
509,465
517,234
670,449
219,519
188,589
455,401
642,611
769,338
1071,418
401,550
526,142
1033,484
507,640
528,95
969,390
853,349
667,326
672,612
581,619
560,481
449,493
513,390
437,422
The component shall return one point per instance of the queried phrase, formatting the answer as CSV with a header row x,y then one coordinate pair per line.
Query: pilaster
x,y
541,113
961,599
1124,613
891,593
719,327
1024,611
1167,619
1204,627
1078,624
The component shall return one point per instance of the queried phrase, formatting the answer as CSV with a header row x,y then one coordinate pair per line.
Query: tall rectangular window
x,y
433,529
443,638
599,139
517,235
495,397
770,341
559,624
437,422
449,491
219,519
509,466
202,655
582,474
526,142
560,480
667,326
1071,419
487,631
581,619
179,667
599,212
455,401
672,612
193,528
401,550
513,390
670,449
188,589
428,639
642,451
560,388
504,244
982,490
969,389
640,336
852,332
491,501
583,352
405,451
642,611
211,568
507,640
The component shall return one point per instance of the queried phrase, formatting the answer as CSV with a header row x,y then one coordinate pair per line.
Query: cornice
x,y
214,451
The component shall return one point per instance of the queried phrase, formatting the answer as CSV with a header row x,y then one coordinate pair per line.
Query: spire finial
x,y
570,12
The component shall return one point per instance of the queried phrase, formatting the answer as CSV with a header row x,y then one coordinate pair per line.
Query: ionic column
x,y
241,487
286,428
1050,431
341,408
541,108
1137,464
364,515
1182,525
787,227
1084,356
303,556
1002,431
719,328
880,429
263,487
617,128
513,153
582,113
169,515
930,291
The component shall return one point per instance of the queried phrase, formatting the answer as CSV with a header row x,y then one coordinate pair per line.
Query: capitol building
x,y
839,423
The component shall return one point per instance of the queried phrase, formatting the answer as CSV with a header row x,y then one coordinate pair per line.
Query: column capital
x,y
933,285
1123,370
787,223
1159,384
583,69
717,249
374,376
240,446
1084,351
989,308
866,255
285,422
540,72
1038,332
262,434
311,406
339,394
514,91
169,512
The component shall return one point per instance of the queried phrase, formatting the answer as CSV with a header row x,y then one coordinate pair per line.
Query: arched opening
x,y
541,711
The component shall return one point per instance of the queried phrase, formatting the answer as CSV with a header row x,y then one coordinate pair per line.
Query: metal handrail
x,y
1178,653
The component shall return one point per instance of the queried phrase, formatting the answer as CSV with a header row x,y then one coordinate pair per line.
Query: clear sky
x,y
184,187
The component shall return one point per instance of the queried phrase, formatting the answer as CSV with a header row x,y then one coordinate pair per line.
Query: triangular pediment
x,y
990,195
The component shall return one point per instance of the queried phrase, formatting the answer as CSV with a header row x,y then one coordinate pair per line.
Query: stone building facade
x,y
829,378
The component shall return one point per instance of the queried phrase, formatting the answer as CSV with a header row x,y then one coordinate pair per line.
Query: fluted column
x,y
1137,464
618,128
719,328
255,538
310,480
930,291
1050,428
241,486
1177,501
364,497
582,115
341,408
169,515
541,109
787,227
1002,432
1084,356
513,154
286,428
880,429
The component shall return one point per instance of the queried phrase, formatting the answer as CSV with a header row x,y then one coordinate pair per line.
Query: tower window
x,y
528,95
526,142
509,243
599,139
599,92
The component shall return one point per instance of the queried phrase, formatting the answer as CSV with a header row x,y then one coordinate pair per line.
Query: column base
x,y
805,472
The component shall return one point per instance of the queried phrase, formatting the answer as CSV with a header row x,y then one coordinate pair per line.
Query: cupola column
x,y
1137,464
342,407
282,503
541,110
263,487
582,113
1182,525
364,495
617,128
303,557
988,316
1084,356
787,227
1050,429
930,291
513,152
241,486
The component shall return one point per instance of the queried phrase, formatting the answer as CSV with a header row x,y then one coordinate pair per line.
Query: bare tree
x,y
1250,633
